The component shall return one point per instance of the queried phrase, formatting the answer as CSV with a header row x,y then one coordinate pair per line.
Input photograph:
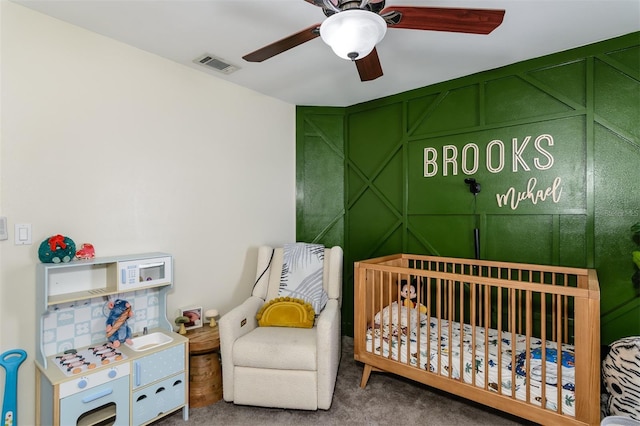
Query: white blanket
x,y
451,353
302,274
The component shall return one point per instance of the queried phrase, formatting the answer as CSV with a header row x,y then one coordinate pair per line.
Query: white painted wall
x,y
111,145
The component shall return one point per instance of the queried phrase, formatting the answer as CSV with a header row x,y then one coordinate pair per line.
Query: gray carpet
x,y
387,399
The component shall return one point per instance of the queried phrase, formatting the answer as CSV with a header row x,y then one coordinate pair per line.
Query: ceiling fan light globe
x,y
352,34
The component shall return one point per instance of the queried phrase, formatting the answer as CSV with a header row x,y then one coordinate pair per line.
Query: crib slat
x,y
487,305
439,326
420,302
450,298
527,339
398,335
543,338
463,308
500,340
559,354
512,311
430,314
474,302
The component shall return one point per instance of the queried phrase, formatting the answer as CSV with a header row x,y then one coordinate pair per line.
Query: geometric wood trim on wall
x,y
562,131
320,177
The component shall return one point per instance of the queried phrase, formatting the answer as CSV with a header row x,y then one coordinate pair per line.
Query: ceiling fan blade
x,y
283,45
369,67
472,21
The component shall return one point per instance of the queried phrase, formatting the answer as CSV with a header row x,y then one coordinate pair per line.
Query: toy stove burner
x,y
73,362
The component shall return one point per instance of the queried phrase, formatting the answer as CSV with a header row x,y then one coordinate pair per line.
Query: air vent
x,y
215,63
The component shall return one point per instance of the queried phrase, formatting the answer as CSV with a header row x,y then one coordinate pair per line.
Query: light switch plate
x,y
4,234
22,234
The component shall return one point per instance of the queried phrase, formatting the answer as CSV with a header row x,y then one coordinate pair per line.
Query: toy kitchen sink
x,y
149,341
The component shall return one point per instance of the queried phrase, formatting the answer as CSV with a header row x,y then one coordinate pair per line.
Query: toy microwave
x,y
141,273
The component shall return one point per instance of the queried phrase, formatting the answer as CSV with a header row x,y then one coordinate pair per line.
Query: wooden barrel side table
x,y
205,371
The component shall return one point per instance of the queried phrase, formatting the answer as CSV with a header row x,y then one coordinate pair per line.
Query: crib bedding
x,y
388,337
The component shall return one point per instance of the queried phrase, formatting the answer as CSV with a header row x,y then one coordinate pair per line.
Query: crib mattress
x,y
389,338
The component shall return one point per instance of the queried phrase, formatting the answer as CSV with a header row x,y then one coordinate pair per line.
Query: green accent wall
x,y
554,143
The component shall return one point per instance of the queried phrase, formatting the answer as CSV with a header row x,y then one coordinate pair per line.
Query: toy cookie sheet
x,y
383,337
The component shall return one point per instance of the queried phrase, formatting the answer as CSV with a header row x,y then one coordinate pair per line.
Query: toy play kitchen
x,y
94,371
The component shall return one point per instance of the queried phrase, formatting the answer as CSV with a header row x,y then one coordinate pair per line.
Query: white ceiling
x,y
310,74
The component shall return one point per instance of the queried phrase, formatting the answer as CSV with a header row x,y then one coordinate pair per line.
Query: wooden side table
x,y
205,371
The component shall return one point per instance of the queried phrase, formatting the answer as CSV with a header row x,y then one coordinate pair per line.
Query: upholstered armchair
x,y
283,367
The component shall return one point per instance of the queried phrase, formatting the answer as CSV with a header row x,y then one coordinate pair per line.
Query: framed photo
x,y
194,313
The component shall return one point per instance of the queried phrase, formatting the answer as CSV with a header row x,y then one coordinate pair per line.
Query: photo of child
x,y
195,317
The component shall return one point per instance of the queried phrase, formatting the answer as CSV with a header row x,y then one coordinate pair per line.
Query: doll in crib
x,y
408,293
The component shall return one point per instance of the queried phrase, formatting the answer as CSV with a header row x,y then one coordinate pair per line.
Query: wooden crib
x,y
473,321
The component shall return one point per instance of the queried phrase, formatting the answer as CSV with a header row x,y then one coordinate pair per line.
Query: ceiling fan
x,y
354,27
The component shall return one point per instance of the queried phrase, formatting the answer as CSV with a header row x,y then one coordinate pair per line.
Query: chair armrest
x,y
328,317
329,346
233,325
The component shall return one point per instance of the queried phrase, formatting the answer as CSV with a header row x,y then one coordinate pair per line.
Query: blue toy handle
x,y
11,361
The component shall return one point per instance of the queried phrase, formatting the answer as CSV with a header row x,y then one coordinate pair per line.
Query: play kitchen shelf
x,y
132,384
83,279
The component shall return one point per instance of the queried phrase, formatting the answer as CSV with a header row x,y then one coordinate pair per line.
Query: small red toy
x,y
86,251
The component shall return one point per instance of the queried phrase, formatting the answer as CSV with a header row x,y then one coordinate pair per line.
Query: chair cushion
x,y
265,387
282,348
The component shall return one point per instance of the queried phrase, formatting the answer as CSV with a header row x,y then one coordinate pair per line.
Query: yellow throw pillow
x,y
286,312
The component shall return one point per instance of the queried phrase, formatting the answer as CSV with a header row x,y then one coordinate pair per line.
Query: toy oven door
x,y
107,404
